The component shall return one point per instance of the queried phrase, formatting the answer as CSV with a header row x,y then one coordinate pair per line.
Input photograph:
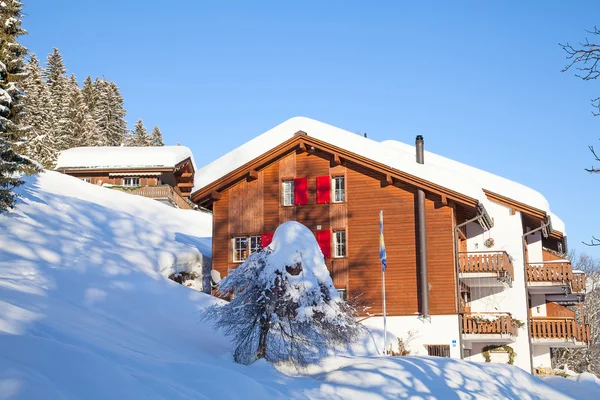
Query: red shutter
x,y
324,241
266,239
323,189
300,191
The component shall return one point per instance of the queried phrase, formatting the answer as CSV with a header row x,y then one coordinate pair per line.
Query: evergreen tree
x,y
140,136
39,143
89,93
118,126
12,128
156,137
59,85
109,113
81,128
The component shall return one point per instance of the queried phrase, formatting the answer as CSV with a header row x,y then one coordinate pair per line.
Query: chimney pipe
x,y
423,278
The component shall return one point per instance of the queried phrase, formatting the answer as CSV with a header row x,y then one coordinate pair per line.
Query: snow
x,y
111,157
85,313
582,387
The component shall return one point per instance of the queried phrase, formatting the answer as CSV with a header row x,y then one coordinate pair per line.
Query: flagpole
x,y
383,285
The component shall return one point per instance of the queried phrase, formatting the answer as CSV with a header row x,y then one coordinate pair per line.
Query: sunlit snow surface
x,y
85,313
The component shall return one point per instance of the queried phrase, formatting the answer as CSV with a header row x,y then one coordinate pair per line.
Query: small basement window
x,y
131,182
438,350
339,189
87,180
339,244
240,248
342,293
287,193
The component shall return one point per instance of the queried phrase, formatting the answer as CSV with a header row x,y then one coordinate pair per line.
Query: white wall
x,y
507,234
534,247
541,356
538,305
442,330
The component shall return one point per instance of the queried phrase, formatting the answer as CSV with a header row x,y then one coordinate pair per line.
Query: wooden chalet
x,y
164,173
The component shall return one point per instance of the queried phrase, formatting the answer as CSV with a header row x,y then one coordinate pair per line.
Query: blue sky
x,y
480,80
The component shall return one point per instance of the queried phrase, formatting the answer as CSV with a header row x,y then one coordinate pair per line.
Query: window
x,y
131,181
342,293
438,350
339,192
287,193
240,248
255,244
87,180
339,243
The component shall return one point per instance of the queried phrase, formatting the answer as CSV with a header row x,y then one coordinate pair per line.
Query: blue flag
x,y
382,252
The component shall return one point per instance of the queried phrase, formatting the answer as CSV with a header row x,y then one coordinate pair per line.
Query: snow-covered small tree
x,y
12,128
156,137
140,135
284,306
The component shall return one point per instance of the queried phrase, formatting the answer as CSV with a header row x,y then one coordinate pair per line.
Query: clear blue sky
x,y
480,81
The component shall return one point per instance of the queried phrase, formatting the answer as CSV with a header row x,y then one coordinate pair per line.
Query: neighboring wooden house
x,y
466,249
163,173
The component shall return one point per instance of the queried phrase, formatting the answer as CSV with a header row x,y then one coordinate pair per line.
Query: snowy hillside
x,y
85,313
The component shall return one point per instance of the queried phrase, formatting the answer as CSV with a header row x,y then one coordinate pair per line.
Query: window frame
x,y
132,178
86,180
290,184
343,293
336,244
335,189
253,249
236,249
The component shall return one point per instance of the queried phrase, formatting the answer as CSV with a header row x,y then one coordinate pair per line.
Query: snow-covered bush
x,y
284,306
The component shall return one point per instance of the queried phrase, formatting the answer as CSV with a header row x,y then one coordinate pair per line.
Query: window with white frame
x,y
339,190
339,244
255,244
131,181
342,293
287,193
87,180
240,248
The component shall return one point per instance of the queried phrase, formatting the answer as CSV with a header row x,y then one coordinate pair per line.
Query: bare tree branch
x,y
594,242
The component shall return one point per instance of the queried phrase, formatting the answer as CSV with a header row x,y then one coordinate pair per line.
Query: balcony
x,y
556,278
163,193
489,326
559,332
485,268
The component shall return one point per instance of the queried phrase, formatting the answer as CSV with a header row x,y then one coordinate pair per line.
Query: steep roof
x,y
122,157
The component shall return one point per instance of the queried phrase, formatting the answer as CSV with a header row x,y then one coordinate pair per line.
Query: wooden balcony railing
x,y
550,271
559,328
158,192
486,261
489,324
578,284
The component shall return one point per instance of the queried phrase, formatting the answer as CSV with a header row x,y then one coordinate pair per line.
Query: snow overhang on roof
x,y
106,158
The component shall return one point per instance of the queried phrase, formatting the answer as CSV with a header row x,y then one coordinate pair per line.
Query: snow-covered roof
x,y
122,157
439,170
341,138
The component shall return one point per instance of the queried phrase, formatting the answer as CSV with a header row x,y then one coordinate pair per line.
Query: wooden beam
x,y
302,147
252,175
215,196
444,200
513,211
186,175
185,184
336,160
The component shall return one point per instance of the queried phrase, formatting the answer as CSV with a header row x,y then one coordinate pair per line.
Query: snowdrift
x,y
85,313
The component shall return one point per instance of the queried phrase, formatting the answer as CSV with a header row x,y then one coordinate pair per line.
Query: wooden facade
x,y
248,202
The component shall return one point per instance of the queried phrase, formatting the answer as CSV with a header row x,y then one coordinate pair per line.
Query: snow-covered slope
x,y
85,313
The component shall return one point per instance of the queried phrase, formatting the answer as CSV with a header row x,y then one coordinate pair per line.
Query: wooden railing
x,y
158,192
559,328
548,271
486,261
489,324
578,284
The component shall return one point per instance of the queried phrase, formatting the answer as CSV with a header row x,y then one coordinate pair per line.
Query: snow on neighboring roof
x,y
341,138
558,224
122,157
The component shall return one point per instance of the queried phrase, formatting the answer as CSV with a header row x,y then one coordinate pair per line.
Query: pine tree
x,y
59,85
81,128
12,128
39,143
118,126
140,136
156,137
89,93
109,113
